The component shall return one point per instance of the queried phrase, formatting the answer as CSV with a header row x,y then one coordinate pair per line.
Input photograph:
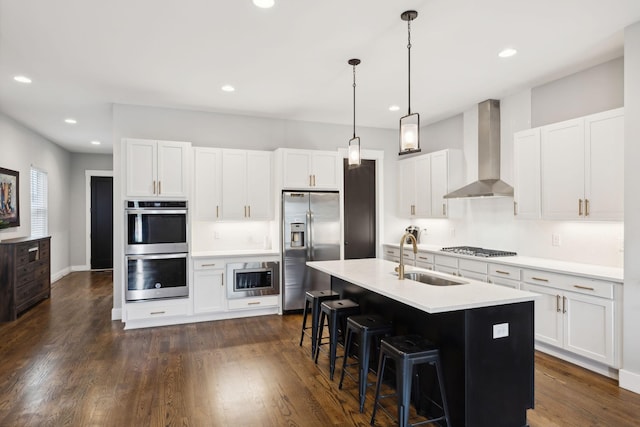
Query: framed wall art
x,y
9,198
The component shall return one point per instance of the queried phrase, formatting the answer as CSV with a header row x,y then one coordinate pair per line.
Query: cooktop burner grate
x,y
479,252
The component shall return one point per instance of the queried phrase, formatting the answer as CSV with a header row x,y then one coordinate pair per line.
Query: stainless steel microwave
x,y
250,279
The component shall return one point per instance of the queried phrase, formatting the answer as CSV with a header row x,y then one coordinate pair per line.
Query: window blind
x,y
39,205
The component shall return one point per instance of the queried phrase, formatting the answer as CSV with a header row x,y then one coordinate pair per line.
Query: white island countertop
x,y
378,276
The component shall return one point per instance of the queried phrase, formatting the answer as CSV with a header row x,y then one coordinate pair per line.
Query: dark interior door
x,y
360,210
101,222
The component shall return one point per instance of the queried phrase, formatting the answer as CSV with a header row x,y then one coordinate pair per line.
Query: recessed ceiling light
x,y
507,53
228,88
71,121
22,79
95,143
264,4
394,108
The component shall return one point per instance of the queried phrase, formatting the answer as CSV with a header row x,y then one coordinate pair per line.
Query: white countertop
x,y
591,271
234,253
378,275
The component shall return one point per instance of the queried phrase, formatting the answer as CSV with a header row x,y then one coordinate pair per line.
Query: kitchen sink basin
x,y
430,279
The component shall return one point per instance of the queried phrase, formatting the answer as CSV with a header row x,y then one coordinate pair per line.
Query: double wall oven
x,y
156,249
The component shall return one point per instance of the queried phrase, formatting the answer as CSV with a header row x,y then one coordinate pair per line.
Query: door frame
x,y
87,248
378,156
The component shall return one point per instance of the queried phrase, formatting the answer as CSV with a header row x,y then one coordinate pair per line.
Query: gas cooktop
x,y
474,251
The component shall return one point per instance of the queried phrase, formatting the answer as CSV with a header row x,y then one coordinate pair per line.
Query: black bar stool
x,y
336,311
408,352
312,300
369,328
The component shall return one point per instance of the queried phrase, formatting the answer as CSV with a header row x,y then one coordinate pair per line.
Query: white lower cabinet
x,y
471,269
425,260
392,254
575,314
504,275
149,310
446,264
208,286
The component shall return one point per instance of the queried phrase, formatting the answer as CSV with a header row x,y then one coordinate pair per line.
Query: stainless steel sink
x,y
430,279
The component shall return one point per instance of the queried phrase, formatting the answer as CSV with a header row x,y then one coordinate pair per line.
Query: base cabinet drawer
x,y
253,303
139,311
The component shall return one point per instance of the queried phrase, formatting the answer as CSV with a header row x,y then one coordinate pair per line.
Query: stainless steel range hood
x,y
489,183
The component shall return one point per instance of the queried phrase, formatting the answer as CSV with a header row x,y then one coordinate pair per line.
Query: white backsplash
x,y
490,223
229,236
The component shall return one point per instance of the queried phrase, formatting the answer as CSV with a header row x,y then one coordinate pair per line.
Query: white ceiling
x,y
287,62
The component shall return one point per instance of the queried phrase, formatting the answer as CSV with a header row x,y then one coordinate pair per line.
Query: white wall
x,y
630,374
81,162
21,148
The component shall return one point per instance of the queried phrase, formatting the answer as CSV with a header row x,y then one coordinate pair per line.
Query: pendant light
x,y
409,124
354,143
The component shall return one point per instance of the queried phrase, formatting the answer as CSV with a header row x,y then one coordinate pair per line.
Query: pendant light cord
x,y
354,101
409,57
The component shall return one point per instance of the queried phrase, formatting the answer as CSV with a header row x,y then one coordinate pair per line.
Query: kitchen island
x,y
485,335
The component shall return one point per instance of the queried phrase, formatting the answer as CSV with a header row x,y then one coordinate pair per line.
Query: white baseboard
x,y
80,267
629,381
60,274
116,314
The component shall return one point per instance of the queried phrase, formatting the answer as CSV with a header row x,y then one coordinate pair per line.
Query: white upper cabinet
x,y
604,158
572,170
310,169
246,185
156,168
207,183
526,197
423,182
563,169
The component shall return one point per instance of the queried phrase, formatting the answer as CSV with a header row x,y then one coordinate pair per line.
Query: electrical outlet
x,y
555,239
500,330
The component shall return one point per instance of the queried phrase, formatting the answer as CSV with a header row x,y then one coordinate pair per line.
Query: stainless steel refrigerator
x,y
310,232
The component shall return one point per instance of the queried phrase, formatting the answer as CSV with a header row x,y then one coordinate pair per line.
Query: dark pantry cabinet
x,y
25,277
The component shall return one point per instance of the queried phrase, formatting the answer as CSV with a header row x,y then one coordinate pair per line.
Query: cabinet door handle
x,y
154,186
503,272
249,210
222,283
586,207
310,183
558,303
217,211
444,209
579,207
515,208
314,180
540,279
564,304
586,288
159,187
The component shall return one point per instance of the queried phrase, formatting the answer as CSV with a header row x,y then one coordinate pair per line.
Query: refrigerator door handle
x,y
309,241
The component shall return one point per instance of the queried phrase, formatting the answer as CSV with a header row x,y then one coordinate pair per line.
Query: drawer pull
x,y
558,303
208,265
503,272
254,303
390,252
564,304
157,312
540,279
587,288
423,257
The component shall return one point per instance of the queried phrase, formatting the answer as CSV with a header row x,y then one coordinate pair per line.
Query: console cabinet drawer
x,y
143,310
257,302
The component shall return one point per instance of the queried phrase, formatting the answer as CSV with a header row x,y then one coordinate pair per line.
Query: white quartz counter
x,y
378,275
591,271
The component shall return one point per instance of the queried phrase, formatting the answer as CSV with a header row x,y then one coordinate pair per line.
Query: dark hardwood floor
x,y
65,363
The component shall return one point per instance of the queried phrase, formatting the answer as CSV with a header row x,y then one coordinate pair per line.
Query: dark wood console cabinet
x,y
25,277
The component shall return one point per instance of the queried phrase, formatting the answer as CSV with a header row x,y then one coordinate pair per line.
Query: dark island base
x,y
489,382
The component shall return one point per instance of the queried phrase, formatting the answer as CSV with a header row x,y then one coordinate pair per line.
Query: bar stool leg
x,y
347,346
445,407
381,364
304,325
403,387
333,346
319,337
364,367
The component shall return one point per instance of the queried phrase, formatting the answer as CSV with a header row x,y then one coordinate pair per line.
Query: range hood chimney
x,y
489,183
